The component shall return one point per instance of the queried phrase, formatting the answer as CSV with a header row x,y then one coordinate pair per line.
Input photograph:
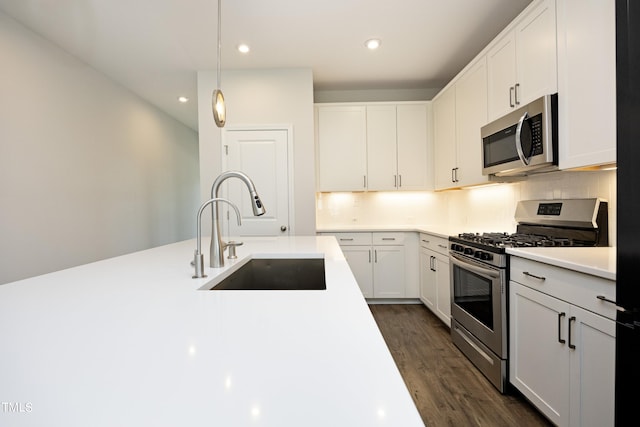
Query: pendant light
x,y
217,101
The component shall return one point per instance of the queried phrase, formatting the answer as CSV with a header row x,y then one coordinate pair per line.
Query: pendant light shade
x,y
217,101
218,107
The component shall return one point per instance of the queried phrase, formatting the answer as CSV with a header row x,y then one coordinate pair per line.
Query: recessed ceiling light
x,y
372,44
183,99
243,48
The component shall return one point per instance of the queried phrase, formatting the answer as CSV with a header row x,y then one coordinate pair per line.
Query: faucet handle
x,y
232,248
198,263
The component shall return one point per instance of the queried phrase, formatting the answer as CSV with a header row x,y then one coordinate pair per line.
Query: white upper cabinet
x,y
381,147
342,148
414,170
522,63
444,138
471,115
586,83
458,114
501,60
378,147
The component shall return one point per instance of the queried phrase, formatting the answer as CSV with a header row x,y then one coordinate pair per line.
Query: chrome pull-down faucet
x,y
198,258
216,253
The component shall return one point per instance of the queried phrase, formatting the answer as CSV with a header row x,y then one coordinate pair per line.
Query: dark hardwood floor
x,y
447,389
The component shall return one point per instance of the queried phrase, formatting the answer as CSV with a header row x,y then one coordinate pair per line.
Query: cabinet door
x,y
536,53
428,293
342,149
539,361
444,138
360,259
382,165
471,115
501,76
388,272
413,166
443,305
592,369
586,83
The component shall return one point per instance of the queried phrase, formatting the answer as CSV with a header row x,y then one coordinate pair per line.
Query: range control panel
x,y
549,209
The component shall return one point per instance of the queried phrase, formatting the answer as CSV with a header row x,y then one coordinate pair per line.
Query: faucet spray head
x,y
256,204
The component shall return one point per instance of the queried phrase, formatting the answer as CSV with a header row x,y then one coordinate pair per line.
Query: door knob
x,y
283,228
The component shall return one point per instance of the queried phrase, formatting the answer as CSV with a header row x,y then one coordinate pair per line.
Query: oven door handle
x,y
476,269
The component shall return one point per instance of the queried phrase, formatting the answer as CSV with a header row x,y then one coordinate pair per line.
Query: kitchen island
x,y
133,340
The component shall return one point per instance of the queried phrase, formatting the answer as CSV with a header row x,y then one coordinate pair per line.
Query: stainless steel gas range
x,y
480,273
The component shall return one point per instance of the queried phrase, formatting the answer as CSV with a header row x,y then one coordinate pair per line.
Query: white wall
x,y
262,97
481,209
88,170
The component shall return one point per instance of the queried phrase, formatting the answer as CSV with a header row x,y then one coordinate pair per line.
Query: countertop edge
x,y
599,262
427,229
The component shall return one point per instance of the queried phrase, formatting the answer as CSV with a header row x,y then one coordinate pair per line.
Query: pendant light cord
x,y
219,37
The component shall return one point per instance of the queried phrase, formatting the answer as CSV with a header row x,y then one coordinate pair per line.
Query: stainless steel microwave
x,y
522,142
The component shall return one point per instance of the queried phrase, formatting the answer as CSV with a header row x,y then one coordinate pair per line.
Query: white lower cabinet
x,y
388,272
562,357
382,263
435,287
359,259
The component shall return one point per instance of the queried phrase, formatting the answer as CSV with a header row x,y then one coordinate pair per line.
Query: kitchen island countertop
x,y
132,340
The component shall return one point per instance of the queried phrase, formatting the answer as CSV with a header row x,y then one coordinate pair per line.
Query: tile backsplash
x,y
487,208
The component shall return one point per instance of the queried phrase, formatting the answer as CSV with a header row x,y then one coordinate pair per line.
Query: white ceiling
x,y
155,47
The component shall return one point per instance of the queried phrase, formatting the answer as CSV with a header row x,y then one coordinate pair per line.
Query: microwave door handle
x,y
463,264
523,158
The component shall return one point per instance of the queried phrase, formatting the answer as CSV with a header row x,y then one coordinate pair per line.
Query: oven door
x,y
479,301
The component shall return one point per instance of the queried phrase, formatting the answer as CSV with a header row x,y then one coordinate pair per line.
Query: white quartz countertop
x,y
131,341
599,262
435,230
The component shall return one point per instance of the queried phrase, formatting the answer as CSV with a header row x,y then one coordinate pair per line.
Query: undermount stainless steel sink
x,y
290,274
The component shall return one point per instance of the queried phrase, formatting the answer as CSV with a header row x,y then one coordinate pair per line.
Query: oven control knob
x,y
486,256
457,248
468,251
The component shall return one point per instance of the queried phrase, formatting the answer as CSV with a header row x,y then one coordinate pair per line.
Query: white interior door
x,y
263,156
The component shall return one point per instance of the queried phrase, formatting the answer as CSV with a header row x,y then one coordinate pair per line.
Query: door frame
x,y
290,163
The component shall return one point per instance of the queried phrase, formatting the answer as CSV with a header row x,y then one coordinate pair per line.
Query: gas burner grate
x,y
518,240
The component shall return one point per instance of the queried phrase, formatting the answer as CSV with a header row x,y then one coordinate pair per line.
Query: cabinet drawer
x,y
350,239
388,238
571,286
435,243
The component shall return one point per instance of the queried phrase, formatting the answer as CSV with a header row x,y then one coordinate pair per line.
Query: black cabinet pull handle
x,y
560,316
526,273
571,319
605,299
